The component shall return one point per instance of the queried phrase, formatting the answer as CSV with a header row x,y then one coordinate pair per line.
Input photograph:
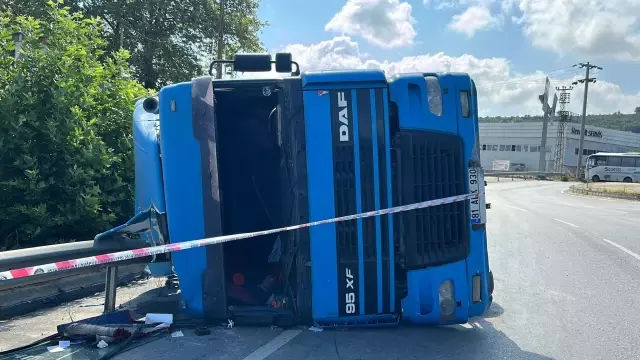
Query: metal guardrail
x,y
54,253
522,173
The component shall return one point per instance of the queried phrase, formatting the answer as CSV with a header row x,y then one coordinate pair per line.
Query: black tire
x,y
490,282
595,178
627,180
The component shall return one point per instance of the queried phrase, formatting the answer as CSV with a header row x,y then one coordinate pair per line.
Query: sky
x,y
508,47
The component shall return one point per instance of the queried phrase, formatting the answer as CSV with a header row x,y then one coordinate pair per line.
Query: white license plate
x,y
476,184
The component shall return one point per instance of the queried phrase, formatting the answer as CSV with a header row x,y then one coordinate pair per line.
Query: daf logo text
x,y
343,116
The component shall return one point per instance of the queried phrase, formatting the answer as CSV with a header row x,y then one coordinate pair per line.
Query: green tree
x,y
170,41
66,169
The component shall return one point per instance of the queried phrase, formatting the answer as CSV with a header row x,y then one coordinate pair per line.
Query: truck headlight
x,y
447,298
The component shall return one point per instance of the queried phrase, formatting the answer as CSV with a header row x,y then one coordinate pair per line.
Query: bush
x,y
66,167
564,178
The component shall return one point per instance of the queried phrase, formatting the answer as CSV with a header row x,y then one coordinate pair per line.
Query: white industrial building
x,y
519,143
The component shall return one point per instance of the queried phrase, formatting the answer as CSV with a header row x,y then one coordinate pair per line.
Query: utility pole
x,y
565,98
586,82
220,41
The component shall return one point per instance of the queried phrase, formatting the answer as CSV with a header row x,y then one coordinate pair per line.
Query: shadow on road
x,y
478,339
494,311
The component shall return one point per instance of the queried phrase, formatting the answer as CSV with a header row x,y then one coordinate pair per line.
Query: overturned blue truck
x,y
224,156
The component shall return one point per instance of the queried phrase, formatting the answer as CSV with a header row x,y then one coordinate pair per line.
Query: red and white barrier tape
x,y
161,249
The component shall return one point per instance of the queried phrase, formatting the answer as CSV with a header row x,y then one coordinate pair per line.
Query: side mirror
x,y
284,63
485,183
488,206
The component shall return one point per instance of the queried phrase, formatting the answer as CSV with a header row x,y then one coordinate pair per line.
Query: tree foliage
x,y
615,121
66,167
169,40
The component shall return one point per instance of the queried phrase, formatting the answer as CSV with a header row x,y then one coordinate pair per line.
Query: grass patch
x,y
615,188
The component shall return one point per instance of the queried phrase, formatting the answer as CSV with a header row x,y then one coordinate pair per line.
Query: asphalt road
x,y
567,271
566,275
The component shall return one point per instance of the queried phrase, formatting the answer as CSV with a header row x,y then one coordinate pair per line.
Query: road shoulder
x,y
615,191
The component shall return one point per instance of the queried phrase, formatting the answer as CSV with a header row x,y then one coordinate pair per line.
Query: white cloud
x,y
594,28
501,91
445,4
450,4
588,27
472,20
385,23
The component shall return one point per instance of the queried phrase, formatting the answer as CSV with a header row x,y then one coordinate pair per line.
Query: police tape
x,y
162,249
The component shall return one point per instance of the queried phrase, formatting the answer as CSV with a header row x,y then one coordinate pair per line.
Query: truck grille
x,y
427,166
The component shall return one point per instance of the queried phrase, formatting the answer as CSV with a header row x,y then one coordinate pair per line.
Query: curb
x,y
607,194
26,299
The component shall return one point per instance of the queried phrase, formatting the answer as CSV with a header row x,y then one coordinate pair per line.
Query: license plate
x,y
476,185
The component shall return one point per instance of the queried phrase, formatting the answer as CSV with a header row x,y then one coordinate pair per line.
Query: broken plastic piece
x,y
158,318
107,339
54,349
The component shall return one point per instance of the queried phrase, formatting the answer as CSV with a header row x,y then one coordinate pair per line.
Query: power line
x,y
588,66
523,80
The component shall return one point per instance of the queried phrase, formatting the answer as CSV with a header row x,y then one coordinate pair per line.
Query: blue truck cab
x,y
242,155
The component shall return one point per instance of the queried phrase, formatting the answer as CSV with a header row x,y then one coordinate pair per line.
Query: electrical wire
x,y
529,79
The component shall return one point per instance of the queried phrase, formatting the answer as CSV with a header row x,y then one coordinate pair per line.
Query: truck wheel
x,y
490,282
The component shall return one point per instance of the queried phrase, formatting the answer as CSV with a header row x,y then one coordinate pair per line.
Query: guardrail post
x,y
110,286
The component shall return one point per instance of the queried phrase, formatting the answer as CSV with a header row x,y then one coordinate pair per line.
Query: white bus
x,y
613,167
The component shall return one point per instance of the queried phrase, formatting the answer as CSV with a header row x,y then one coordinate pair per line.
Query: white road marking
x,y
68,355
269,348
623,249
618,211
564,222
595,198
577,205
513,207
